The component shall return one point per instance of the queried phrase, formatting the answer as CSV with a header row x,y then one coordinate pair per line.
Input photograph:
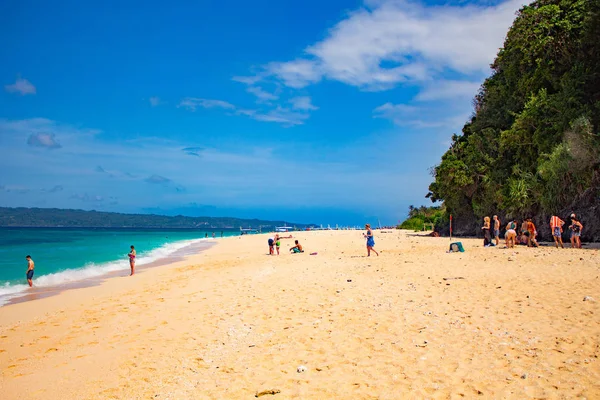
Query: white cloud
x,y
296,74
444,90
43,126
191,103
47,140
22,86
302,103
285,116
154,101
281,115
248,80
261,94
393,41
419,117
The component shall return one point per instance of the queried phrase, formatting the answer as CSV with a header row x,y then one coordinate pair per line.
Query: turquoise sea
x,y
66,255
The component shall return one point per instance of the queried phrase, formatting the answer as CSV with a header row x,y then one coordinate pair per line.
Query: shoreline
x,y
40,292
233,321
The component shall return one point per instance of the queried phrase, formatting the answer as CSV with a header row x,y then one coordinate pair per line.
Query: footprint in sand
x,y
51,350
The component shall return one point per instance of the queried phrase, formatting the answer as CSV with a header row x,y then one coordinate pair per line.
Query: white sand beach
x,y
415,322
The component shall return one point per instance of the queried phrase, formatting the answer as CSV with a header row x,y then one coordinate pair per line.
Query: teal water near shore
x,y
65,255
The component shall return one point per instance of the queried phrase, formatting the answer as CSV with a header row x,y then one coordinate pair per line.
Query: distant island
x,y
66,218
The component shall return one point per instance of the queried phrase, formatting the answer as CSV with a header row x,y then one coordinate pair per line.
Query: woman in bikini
x,y
132,260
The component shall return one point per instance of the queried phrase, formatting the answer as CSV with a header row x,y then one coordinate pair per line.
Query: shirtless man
x,y
30,267
497,229
297,248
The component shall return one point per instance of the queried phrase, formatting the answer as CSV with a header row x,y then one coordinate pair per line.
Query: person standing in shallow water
x,y
370,240
132,260
30,267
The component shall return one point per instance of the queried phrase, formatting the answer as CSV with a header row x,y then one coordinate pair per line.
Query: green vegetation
x,y
417,217
53,217
532,146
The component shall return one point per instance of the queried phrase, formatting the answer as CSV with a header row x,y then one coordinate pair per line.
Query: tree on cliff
x,y
532,146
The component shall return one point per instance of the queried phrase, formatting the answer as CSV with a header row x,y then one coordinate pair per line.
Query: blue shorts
x,y
556,232
30,274
370,242
496,233
575,234
271,241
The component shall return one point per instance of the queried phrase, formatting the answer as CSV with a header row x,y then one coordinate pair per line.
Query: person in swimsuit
x,y
271,246
297,248
511,234
531,234
277,244
370,240
556,225
576,228
132,260
30,267
487,239
497,229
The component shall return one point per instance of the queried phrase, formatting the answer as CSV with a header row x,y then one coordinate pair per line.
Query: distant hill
x,y
54,217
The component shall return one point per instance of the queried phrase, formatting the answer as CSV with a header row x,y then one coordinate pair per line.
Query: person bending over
x,y
297,248
511,234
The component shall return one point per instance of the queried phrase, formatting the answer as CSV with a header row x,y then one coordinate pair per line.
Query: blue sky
x,y
325,112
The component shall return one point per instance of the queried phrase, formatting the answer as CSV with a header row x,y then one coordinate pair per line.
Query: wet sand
x,y
415,322
37,293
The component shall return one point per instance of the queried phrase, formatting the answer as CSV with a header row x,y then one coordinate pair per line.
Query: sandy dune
x,y
232,321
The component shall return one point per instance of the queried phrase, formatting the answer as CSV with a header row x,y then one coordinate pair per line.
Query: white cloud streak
x,y
192,103
302,103
445,90
21,86
261,94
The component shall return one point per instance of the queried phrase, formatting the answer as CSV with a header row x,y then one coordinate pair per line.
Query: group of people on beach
x,y
275,244
526,233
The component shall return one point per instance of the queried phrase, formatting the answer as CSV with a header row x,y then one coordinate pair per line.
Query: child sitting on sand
x,y
297,248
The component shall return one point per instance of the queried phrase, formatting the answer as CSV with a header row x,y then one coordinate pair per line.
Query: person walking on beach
x,y
497,229
131,256
487,239
30,267
576,228
556,225
370,240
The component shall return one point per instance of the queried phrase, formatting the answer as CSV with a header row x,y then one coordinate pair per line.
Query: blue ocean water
x,y
64,255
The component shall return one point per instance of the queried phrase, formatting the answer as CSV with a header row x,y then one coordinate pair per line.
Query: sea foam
x,y
92,270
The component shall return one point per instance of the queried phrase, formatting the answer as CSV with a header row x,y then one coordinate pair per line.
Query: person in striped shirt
x,y
556,225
